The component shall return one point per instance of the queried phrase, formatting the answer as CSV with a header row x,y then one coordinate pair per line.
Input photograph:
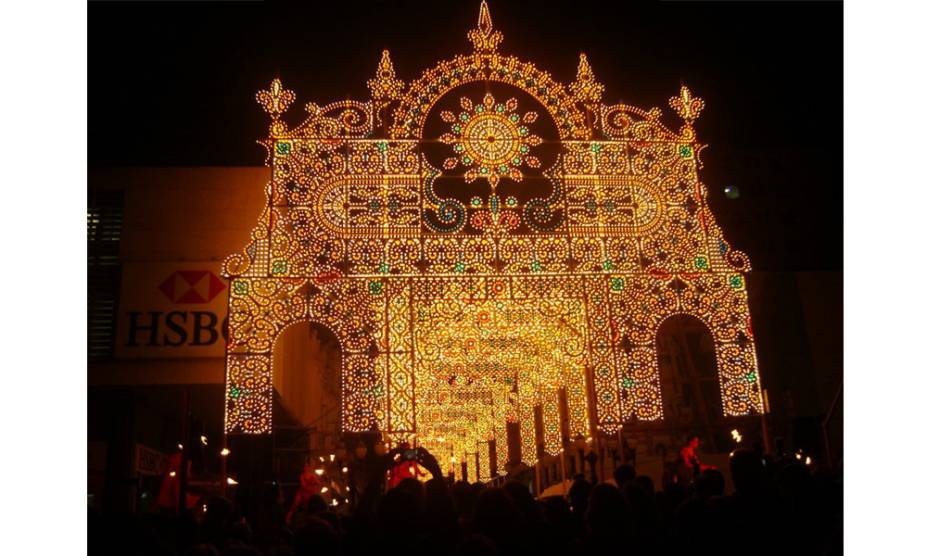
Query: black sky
x,y
173,83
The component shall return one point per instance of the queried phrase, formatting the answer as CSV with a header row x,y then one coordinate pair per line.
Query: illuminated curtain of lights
x,y
486,243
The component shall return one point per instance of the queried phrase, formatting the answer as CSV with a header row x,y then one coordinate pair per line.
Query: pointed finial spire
x,y
687,106
385,87
485,20
275,99
586,89
484,39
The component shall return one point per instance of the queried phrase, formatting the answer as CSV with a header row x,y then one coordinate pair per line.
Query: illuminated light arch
x,y
358,236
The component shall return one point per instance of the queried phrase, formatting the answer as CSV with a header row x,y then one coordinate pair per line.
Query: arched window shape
x,y
689,377
307,379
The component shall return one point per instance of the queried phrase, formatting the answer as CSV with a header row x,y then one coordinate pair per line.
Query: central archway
x,y
689,378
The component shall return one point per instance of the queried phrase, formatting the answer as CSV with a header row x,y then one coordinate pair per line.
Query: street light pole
x,y
763,424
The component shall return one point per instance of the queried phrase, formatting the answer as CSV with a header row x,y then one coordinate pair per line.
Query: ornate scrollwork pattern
x,y
525,279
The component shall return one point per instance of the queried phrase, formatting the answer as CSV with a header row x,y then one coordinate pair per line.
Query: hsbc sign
x,y
172,310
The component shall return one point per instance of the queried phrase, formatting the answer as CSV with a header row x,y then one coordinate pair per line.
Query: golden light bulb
x,y
324,490
319,472
231,481
224,452
173,473
331,457
203,439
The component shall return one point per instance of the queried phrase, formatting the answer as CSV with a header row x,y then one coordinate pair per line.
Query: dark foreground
x,y
777,507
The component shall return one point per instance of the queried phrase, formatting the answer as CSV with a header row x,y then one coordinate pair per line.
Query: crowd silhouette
x,y
776,506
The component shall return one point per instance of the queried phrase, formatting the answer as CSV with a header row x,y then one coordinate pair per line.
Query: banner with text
x,y
172,310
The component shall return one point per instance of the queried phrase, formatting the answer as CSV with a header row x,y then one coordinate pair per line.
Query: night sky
x,y
173,83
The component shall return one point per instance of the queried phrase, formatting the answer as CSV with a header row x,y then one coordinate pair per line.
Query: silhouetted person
x,y
309,486
751,512
464,499
624,474
579,494
607,519
538,534
647,520
564,526
692,516
400,515
690,466
497,517
316,536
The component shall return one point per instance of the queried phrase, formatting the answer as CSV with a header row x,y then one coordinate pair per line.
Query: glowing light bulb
x,y
335,502
173,473
324,490
231,481
319,472
203,439
224,452
344,469
331,457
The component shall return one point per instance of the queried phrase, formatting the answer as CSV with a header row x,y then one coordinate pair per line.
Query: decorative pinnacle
x,y
275,99
687,106
484,39
586,89
485,20
385,86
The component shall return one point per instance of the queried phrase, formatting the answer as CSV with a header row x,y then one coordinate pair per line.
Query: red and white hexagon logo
x,y
191,286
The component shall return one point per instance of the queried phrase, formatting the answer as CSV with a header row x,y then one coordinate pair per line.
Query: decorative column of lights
x,y
538,244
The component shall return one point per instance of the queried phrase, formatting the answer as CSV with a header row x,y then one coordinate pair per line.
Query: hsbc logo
x,y
182,328
191,286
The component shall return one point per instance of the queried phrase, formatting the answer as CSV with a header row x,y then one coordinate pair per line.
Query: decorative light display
x,y
490,138
479,283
